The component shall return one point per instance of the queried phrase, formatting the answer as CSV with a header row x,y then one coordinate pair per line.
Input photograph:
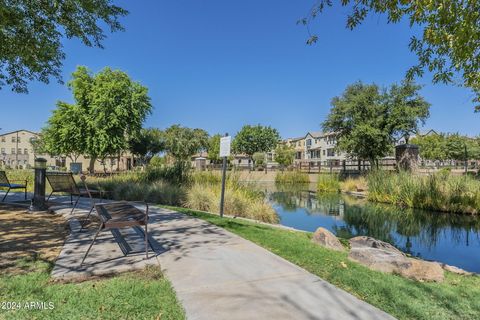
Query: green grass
x,y
291,177
140,295
455,298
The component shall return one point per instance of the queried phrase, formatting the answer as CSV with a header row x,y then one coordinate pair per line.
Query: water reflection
x,y
452,239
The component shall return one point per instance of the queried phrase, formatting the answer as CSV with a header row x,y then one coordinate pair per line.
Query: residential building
x,y
16,151
316,147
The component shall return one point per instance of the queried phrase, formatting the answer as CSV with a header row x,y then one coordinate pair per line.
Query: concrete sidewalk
x,y
218,275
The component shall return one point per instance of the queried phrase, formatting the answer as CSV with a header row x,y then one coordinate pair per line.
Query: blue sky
x,y
221,64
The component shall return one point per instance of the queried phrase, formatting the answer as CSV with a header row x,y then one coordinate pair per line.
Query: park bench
x,y
5,183
121,214
65,183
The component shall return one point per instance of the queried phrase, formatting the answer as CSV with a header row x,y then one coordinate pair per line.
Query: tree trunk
x,y
91,167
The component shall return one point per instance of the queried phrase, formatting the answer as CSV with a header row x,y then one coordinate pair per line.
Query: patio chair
x,y
5,183
65,183
121,214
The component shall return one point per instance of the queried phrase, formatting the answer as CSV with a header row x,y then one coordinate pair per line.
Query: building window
x,y
323,151
13,139
3,150
331,152
18,139
3,139
13,150
25,151
19,151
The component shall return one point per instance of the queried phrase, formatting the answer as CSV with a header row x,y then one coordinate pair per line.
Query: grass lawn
x,y
29,244
456,298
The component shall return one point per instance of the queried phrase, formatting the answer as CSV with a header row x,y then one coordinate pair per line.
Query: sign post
x,y
225,143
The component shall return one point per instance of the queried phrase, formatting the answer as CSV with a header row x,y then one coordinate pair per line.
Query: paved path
x,y
216,274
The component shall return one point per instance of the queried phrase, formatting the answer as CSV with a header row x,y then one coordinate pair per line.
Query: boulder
x,y
381,256
421,270
454,269
326,239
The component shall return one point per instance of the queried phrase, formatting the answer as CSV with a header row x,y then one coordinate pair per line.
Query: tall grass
x,y
291,177
328,183
241,200
439,192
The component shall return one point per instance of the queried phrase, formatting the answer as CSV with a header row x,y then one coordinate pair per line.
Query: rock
x,y
421,270
326,239
381,256
454,269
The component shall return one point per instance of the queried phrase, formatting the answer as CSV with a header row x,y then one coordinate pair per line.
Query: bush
x,y
292,177
328,183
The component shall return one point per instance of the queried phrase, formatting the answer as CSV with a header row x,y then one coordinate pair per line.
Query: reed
x,y
291,177
328,183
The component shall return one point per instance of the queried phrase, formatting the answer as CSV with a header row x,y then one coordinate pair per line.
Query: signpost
x,y
225,143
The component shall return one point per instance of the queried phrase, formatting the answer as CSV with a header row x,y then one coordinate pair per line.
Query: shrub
x,y
328,183
292,177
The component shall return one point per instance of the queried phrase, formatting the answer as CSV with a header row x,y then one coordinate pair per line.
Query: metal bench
x,y
65,183
5,183
120,214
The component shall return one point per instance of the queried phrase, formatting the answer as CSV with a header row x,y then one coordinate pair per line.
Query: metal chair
x,y
5,183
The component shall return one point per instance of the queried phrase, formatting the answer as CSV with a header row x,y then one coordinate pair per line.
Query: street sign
x,y
225,143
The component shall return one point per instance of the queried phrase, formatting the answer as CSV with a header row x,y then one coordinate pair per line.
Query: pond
x,y
448,238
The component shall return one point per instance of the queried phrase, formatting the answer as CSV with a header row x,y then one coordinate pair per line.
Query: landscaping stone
x,y
326,239
381,256
454,269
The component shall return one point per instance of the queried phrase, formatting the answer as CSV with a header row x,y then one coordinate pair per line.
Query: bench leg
x,y
91,244
49,196
5,195
75,205
146,240
88,215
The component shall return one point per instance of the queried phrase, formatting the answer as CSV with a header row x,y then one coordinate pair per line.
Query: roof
x,y
315,134
4,134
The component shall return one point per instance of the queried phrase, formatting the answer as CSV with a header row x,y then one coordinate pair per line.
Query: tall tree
x,y
252,139
147,144
31,33
450,39
367,122
182,142
64,133
109,110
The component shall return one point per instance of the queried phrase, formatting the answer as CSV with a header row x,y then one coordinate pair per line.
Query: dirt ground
x,y
28,236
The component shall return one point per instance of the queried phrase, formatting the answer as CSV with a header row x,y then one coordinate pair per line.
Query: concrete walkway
x,y
216,274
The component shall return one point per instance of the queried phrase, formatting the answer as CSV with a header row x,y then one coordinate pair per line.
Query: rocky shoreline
x,y
382,256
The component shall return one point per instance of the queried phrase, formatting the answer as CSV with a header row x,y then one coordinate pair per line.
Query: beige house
x,y
16,152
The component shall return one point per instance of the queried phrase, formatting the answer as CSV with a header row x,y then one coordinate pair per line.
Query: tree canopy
x,y
214,148
252,139
367,122
445,146
31,34
182,142
284,155
147,144
109,110
449,43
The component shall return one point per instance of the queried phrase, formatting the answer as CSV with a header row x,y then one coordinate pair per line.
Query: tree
x,y
284,155
432,147
450,41
109,110
64,133
367,122
147,144
31,33
214,148
182,142
252,139
259,158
